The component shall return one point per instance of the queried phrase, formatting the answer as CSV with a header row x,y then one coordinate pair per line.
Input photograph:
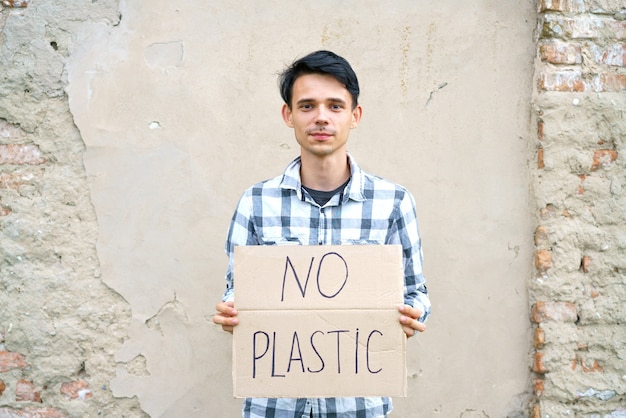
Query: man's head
x,y
320,62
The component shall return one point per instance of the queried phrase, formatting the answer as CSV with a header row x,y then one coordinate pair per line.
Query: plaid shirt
x,y
370,210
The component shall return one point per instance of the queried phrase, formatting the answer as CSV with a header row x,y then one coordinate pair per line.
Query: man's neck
x,y
324,173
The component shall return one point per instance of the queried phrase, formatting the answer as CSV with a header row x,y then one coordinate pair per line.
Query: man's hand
x,y
226,316
409,322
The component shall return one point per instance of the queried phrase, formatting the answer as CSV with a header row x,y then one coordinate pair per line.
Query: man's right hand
x,y
226,316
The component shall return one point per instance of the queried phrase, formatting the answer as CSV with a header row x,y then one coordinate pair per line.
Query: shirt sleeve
x,y
405,231
240,232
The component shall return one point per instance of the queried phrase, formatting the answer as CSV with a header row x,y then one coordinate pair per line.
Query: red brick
x,y
2,387
538,387
539,338
541,236
608,82
543,260
554,311
603,158
581,27
25,392
536,412
570,81
548,212
595,367
14,180
538,366
556,52
540,163
78,389
4,211
15,3
573,81
613,55
570,6
44,412
10,361
553,26
20,154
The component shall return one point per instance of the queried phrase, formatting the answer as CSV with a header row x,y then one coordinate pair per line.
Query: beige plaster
x,y
179,111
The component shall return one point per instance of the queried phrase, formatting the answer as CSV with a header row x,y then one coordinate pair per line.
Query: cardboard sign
x,y
319,321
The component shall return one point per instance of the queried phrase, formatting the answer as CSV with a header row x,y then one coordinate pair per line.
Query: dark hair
x,y
319,62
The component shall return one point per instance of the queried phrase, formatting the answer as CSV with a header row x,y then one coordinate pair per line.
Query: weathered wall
x,y
176,112
579,175
60,326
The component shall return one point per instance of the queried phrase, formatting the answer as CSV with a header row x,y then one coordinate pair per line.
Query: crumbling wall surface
x,y
579,291
59,324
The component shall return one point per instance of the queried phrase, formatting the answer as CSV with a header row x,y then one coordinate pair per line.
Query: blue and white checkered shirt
x,y
370,210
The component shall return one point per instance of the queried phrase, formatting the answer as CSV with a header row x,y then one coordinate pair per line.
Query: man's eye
x,y
336,107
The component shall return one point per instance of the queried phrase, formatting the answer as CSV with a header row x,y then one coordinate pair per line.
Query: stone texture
x,y
578,303
57,319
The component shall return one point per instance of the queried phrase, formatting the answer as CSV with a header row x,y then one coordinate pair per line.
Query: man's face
x,y
321,115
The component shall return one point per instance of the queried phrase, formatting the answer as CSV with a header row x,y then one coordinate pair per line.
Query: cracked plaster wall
x,y
60,325
177,105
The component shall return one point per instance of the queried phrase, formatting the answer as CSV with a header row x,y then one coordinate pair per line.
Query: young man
x,y
324,198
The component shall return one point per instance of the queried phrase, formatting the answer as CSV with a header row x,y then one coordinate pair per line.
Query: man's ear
x,y
357,113
286,112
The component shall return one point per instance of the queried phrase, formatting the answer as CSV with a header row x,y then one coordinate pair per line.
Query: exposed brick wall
x,y
578,293
59,324
56,354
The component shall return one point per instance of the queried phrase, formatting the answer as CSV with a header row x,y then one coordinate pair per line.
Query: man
x,y
324,198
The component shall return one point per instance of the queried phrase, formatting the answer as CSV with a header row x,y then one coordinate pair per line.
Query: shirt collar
x,y
354,190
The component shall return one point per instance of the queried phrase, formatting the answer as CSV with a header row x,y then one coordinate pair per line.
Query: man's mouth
x,y
317,134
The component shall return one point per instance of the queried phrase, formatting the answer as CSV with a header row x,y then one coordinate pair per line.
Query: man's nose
x,y
321,117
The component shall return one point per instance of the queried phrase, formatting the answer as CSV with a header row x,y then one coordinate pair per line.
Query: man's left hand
x,y
409,320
